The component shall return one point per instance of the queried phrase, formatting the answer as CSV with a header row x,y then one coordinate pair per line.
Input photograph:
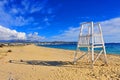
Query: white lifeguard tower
x,y
91,37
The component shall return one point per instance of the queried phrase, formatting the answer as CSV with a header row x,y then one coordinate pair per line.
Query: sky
x,y
57,20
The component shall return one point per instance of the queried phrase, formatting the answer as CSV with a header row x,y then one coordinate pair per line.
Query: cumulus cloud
x,y
7,34
110,28
34,37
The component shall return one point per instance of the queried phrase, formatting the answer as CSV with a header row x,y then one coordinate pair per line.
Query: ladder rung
x,y
98,46
98,43
97,34
84,46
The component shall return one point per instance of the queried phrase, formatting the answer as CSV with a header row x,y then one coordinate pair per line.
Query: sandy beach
x,y
39,63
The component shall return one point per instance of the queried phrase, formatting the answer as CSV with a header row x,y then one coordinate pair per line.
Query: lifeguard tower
x,y
91,37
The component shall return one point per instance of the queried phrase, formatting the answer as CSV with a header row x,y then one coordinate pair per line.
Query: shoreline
x,y
74,50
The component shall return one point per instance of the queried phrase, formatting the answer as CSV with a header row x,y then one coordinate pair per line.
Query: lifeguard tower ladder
x,y
91,37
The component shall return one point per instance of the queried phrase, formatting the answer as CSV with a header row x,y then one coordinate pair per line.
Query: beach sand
x,y
38,63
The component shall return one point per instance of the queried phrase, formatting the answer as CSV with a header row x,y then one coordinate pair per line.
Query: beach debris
x,y
10,61
102,64
9,50
1,46
21,60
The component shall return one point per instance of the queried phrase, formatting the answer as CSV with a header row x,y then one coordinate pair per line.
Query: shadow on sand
x,y
42,63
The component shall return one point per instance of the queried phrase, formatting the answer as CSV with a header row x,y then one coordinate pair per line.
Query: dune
x,y
39,63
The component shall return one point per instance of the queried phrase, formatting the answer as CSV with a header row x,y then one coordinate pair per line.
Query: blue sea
x,y
111,48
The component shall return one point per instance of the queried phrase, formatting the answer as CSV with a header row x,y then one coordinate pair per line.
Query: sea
x,y
111,48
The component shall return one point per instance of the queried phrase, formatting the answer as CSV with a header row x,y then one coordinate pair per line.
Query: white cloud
x,y
46,20
7,34
16,14
34,37
14,11
68,35
21,21
111,32
8,15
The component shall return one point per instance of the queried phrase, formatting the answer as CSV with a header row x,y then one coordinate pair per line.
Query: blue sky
x,y
57,20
